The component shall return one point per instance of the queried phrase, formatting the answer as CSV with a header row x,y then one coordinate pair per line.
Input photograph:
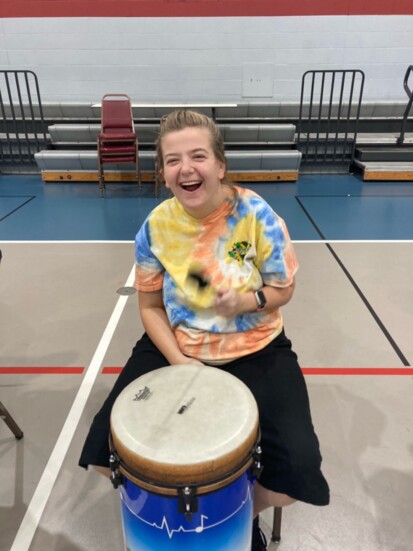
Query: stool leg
x,y
276,527
10,422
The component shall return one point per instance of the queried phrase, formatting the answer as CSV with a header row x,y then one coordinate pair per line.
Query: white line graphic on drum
x,y
164,525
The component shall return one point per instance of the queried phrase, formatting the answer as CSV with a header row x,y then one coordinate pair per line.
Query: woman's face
x,y
191,170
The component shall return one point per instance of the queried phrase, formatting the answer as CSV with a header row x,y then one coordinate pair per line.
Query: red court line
x,y
41,370
323,370
111,370
357,370
200,8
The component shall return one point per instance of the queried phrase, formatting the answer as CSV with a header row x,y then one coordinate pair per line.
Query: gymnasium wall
x,y
206,50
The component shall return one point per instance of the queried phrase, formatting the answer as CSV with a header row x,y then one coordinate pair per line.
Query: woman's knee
x,y
265,498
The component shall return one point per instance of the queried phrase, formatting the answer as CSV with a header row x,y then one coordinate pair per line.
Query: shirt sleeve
x,y
149,272
276,258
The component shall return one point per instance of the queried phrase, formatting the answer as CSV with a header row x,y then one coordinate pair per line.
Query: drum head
x,y
184,424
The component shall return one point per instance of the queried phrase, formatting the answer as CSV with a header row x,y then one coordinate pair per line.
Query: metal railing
x,y
328,119
409,93
22,125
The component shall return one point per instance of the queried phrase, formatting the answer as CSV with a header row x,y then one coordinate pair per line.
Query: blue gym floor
x,y
65,331
316,207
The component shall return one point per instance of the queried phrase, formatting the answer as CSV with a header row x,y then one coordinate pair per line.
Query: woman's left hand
x,y
228,303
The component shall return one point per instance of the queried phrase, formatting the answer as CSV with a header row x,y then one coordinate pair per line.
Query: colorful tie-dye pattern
x,y
243,245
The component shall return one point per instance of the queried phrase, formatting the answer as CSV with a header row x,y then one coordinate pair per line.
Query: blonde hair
x,y
178,120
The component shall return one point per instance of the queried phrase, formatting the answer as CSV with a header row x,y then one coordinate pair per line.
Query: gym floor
x,y
66,329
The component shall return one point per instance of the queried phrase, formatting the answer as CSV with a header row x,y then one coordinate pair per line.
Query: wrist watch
x,y
260,298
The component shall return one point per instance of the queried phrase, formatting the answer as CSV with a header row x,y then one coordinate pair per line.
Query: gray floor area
x,y
56,302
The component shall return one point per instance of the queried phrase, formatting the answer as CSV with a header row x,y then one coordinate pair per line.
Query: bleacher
x,y
381,157
255,152
266,141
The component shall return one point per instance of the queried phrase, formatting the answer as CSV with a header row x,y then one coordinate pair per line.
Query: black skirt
x,y
290,449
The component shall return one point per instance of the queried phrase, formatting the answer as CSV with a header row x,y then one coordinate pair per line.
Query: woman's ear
x,y
221,171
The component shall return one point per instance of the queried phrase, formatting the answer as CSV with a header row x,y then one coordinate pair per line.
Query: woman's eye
x,y
171,161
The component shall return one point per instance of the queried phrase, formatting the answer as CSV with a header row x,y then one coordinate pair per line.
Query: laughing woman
x,y
228,241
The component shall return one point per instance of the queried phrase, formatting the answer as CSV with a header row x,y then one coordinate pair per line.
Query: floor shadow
x,y
392,493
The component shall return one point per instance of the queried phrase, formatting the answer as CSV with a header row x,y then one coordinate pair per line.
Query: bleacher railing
x,y
409,93
328,119
22,125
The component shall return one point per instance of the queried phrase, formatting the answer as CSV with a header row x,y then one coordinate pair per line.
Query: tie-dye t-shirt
x,y
243,245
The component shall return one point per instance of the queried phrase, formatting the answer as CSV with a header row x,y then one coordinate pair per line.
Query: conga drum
x,y
184,454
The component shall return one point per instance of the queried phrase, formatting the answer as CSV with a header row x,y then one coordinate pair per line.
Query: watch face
x,y
261,300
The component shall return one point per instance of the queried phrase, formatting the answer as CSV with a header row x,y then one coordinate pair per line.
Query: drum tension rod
x,y
257,465
187,502
116,476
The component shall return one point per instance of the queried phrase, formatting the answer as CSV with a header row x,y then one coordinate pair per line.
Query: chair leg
x,y
10,422
101,187
101,182
276,527
101,174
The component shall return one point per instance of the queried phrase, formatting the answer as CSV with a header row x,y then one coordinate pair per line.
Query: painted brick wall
x,y
251,59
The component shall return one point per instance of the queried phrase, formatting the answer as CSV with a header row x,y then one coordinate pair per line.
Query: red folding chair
x,y
117,142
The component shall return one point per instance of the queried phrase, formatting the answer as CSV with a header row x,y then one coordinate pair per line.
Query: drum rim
x,y
164,473
223,477
203,469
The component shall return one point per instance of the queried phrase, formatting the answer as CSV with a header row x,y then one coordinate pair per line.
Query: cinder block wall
x,y
166,59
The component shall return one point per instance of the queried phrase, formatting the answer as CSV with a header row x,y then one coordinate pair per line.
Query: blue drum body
x,y
223,521
184,455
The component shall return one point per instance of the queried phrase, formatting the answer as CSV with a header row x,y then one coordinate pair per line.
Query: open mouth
x,y
190,187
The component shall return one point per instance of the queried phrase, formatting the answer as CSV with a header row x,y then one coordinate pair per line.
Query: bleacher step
x,y
384,154
248,166
238,161
388,171
148,133
382,138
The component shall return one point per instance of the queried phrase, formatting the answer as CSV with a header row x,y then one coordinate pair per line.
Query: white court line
x,y
42,493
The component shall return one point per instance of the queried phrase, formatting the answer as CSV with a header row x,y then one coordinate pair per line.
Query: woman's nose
x,y
186,165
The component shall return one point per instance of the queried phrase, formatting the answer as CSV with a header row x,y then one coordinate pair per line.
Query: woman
x,y
214,264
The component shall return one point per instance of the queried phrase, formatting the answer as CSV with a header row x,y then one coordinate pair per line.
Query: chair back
x,y
117,113
117,141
